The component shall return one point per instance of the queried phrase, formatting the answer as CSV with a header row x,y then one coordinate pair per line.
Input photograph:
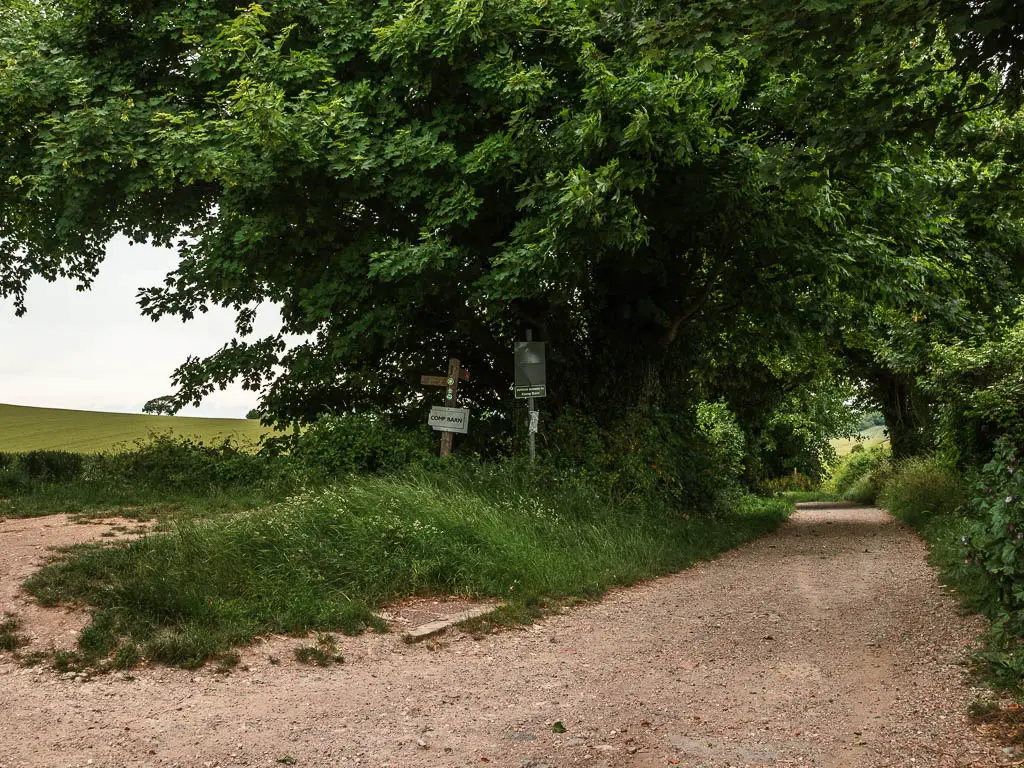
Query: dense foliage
x,y
860,475
998,540
690,202
978,390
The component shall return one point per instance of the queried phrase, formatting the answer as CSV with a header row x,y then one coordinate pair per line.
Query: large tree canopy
x,y
671,193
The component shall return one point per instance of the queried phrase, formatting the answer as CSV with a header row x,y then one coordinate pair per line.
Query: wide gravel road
x,y
829,643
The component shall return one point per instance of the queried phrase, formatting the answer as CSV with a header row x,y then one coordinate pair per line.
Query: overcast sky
x,y
95,351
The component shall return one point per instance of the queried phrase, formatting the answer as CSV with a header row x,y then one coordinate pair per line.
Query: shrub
x,y
859,476
719,425
673,460
667,459
864,490
795,482
339,444
21,473
172,462
13,482
796,432
921,488
997,535
50,466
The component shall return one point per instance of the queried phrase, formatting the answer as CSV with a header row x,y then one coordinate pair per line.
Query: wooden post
x,y
451,400
451,395
530,406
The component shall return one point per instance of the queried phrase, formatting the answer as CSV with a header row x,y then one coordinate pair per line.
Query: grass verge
x,y
325,560
933,499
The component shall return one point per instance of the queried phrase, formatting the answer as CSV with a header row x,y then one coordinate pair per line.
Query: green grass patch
x,y
10,640
23,428
92,501
325,560
323,654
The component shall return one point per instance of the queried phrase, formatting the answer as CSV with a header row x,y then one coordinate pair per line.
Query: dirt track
x,y
828,644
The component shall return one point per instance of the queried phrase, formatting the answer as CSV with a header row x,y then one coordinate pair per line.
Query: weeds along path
x,y
829,643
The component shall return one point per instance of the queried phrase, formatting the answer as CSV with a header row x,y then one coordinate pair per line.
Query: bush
x,y
997,535
20,473
13,482
339,444
721,429
50,466
794,483
170,462
797,432
863,491
669,459
921,488
859,476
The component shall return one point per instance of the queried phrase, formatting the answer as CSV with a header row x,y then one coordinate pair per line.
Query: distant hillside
x,y
868,438
26,429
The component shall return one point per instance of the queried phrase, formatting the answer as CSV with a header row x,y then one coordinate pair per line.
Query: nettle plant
x,y
997,543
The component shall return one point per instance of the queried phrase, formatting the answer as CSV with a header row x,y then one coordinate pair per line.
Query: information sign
x,y
531,370
449,419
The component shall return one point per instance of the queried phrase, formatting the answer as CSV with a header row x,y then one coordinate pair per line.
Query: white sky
x,y
95,351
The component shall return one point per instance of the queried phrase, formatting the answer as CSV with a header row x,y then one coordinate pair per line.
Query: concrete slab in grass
x,y
432,628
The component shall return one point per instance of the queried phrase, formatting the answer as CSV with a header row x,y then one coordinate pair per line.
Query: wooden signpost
x,y
451,397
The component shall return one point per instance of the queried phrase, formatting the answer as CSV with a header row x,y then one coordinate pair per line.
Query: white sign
x,y
449,419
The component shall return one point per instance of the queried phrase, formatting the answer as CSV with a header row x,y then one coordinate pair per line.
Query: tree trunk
x,y
905,419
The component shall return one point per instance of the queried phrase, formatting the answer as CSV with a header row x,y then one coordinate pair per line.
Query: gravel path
x,y
829,643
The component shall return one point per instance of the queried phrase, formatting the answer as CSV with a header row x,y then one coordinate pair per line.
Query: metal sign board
x,y
531,370
449,419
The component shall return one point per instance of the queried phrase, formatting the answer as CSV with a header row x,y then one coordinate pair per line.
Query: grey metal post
x,y
530,406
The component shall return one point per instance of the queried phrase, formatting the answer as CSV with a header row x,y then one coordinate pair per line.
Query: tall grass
x,y
860,475
935,500
326,559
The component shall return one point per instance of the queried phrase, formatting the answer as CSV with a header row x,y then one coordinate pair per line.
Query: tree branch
x,y
696,304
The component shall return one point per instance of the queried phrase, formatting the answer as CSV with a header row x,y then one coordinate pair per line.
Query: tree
x,y
664,191
161,406
407,182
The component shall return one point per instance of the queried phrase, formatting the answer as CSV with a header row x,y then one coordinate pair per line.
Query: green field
x,y
868,438
23,428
